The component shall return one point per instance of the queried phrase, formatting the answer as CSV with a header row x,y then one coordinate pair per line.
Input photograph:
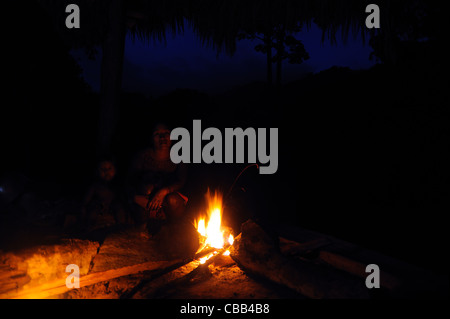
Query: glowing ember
x,y
204,259
211,231
230,239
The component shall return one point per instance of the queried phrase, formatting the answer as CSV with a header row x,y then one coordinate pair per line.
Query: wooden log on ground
x,y
398,279
59,286
256,253
200,272
150,278
35,266
357,268
293,248
11,279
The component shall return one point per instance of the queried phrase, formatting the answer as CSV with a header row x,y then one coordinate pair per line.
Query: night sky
x,y
154,68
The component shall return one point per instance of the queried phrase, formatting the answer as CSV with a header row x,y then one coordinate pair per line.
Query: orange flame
x,y
212,232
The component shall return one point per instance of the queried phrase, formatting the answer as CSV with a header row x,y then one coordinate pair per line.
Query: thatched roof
x,y
217,22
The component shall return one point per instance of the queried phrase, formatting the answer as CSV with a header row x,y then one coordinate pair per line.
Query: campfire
x,y
209,226
126,266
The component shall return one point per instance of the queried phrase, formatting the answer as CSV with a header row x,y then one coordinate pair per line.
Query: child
x,y
100,206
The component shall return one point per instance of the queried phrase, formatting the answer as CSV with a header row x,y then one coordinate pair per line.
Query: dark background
x,y
363,144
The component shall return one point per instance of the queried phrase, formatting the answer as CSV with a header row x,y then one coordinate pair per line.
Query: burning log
x,y
150,281
200,273
257,253
215,240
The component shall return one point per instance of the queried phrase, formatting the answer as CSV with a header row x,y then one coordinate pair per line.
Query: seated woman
x,y
154,182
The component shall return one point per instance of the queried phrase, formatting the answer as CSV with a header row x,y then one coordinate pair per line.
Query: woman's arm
x,y
180,181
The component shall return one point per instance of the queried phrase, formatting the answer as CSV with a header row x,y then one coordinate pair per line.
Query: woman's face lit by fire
x,y
161,137
106,170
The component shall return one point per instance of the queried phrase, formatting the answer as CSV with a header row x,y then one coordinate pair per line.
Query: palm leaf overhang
x,y
218,22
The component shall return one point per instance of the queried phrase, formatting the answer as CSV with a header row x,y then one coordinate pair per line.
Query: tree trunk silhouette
x,y
279,61
111,76
268,43
280,54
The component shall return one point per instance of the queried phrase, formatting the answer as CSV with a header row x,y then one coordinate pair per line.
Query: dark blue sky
x,y
182,62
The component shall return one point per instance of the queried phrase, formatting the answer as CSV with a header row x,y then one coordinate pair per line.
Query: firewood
x,y
256,253
357,268
59,286
34,266
200,273
289,247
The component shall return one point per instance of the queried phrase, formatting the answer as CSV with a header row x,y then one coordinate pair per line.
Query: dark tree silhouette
x,y
265,47
283,44
111,77
394,43
288,47
42,93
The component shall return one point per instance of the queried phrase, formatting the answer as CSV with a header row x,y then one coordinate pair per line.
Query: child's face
x,y
107,170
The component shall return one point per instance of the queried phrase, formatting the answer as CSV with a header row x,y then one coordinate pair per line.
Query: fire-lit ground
x,y
202,258
213,274
126,265
184,260
33,268
223,279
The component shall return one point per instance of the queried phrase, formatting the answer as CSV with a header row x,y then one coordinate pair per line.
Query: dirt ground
x,y
226,281
223,279
25,269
